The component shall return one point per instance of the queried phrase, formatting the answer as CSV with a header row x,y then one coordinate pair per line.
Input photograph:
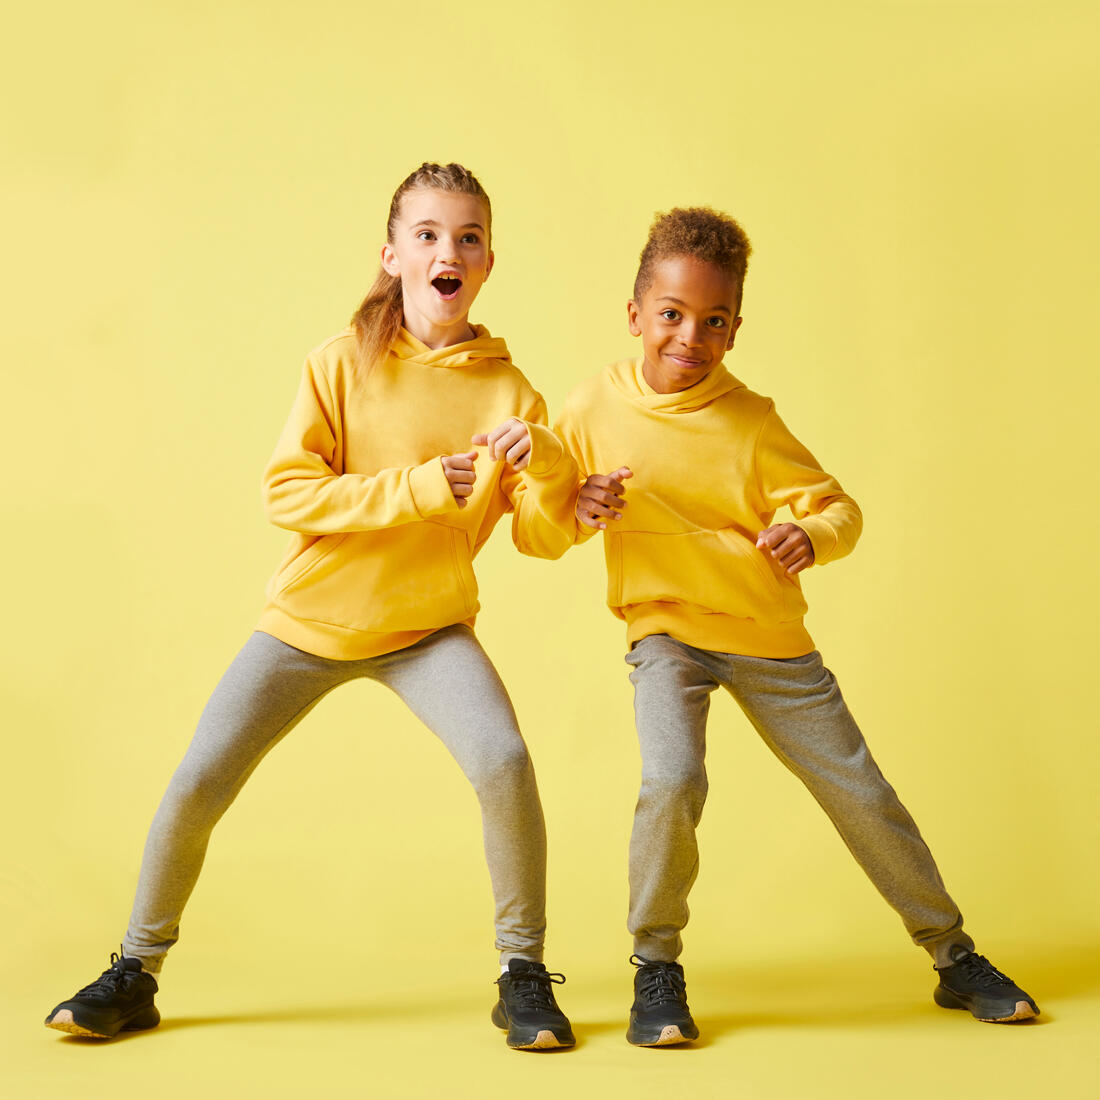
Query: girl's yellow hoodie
x,y
382,553
711,465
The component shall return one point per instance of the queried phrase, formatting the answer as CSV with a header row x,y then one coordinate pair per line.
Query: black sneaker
x,y
660,1016
527,1009
120,999
974,983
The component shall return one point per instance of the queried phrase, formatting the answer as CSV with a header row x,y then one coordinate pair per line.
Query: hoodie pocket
x,y
414,577
720,570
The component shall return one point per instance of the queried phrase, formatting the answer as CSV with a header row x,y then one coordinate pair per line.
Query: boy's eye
x,y
716,322
670,314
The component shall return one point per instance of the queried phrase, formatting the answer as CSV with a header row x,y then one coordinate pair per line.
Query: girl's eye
x,y
471,238
670,314
425,235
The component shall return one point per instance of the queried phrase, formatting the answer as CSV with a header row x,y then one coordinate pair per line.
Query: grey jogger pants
x,y
449,684
796,706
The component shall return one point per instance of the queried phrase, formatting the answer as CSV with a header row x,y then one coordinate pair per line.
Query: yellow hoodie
x,y
711,465
382,553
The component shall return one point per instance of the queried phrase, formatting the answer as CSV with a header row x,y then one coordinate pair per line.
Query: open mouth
x,y
447,286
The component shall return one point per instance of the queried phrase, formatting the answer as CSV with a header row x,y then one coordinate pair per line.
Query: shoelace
x,y
111,980
979,970
531,988
661,982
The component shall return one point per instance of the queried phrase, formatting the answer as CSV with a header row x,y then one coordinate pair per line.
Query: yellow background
x,y
194,195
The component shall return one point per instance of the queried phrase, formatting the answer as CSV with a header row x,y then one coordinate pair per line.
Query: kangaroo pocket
x,y
415,577
718,570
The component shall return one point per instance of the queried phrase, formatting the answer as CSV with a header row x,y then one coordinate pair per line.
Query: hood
x,y
628,379
482,346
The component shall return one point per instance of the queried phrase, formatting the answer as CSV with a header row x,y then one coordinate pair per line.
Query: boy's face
x,y
687,320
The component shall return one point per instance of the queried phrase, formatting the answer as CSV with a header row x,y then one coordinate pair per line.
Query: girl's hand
x,y
510,440
789,545
600,495
460,475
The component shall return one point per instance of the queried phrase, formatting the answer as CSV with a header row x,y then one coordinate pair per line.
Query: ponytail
x,y
377,321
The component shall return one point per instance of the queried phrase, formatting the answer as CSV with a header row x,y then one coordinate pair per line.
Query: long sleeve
x,y
544,493
303,491
788,474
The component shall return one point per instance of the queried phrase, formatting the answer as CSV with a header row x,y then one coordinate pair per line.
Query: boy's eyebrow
x,y
436,225
670,298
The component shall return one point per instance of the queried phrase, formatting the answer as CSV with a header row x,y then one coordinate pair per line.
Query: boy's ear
x,y
389,261
632,311
733,331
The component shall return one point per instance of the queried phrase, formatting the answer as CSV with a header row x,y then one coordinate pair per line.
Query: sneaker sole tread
x,y
1022,1010
544,1040
63,1021
670,1035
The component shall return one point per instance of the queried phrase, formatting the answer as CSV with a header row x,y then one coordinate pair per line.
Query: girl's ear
x,y
632,318
389,261
489,263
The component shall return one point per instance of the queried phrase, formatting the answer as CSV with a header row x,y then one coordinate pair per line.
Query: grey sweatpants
x,y
796,706
449,684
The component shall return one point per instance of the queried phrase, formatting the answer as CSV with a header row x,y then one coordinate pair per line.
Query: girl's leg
x,y
451,686
266,691
672,688
796,706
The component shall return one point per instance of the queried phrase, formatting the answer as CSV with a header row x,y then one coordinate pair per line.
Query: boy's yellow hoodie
x,y
382,553
711,465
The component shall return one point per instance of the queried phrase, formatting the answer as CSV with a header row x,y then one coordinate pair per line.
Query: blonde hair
x,y
378,318
697,231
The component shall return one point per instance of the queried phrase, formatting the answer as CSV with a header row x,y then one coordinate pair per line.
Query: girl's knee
x,y
508,763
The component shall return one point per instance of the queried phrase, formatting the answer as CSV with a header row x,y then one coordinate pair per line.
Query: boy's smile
x,y
687,320
441,252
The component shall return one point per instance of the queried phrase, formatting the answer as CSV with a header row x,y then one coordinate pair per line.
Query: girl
x,y
388,504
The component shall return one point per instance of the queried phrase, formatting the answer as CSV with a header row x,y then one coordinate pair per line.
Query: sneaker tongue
x,y
129,963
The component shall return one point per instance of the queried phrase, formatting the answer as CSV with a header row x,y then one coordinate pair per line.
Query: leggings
x,y
446,680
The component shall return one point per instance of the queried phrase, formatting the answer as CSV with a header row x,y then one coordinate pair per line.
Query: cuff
x,y
430,489
822,537
546,450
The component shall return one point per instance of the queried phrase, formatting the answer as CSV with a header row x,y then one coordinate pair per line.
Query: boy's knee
x,y
684,783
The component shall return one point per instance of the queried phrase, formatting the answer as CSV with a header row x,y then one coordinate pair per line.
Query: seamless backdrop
x,y
194,196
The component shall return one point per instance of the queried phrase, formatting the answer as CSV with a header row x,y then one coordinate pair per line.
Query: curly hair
x,y
695,231
378,318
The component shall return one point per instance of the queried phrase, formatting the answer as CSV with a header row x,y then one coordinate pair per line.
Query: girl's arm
x,y
302,492
543,492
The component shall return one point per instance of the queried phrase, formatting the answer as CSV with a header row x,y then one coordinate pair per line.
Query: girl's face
x,y
687,320
440,251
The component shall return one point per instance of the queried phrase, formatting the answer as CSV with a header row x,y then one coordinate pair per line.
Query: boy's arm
x,y
788,474
303,492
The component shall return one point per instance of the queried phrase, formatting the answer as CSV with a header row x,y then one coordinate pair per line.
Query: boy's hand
x,y
600,495
789,545
510,440
460,475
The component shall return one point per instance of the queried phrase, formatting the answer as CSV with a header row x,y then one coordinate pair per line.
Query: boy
x,y
708,587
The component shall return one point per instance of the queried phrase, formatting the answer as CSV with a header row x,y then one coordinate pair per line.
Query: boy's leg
x,y
672,687
452,687
266,691
797,708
